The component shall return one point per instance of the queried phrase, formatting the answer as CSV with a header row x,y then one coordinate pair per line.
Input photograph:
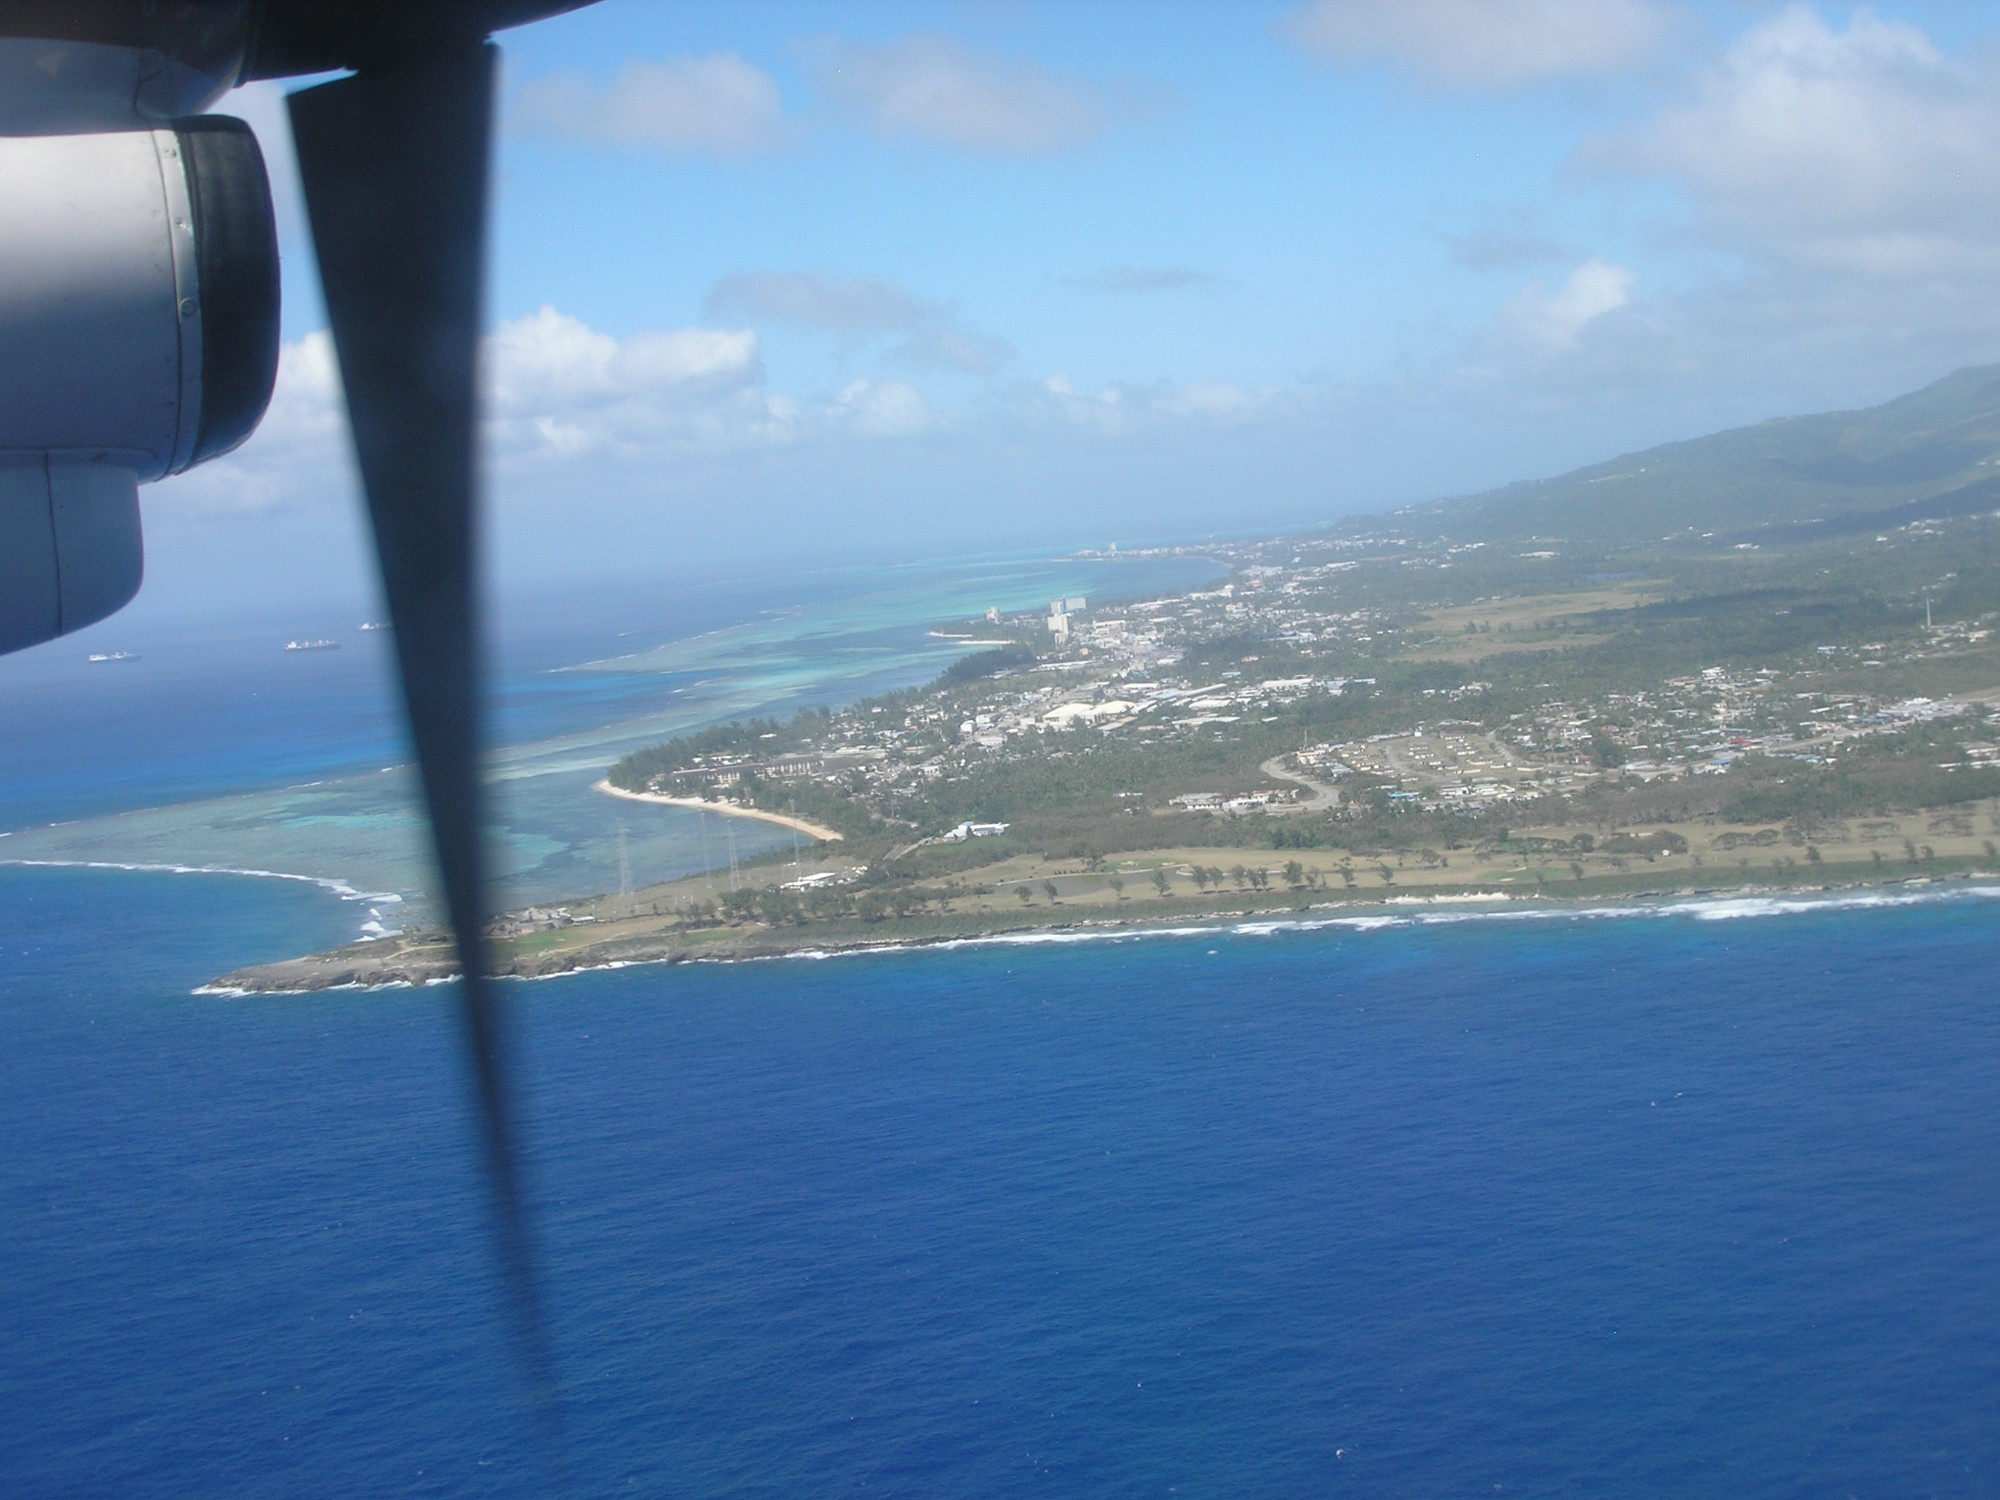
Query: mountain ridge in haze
x,y
1931,452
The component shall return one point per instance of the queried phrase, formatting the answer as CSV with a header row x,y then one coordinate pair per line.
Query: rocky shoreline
x,y
431,958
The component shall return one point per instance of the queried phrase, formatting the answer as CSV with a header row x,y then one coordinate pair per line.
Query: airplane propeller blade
x,y
394,164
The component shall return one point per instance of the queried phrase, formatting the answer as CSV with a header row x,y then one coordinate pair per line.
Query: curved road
x,y
1324,796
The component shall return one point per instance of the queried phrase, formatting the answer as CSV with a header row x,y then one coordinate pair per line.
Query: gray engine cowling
x,y
138,337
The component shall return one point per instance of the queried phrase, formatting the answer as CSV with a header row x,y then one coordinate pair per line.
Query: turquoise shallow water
x,y
264,761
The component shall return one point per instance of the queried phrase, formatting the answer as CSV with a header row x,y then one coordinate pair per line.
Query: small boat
x,y
312,645
374,624
97,656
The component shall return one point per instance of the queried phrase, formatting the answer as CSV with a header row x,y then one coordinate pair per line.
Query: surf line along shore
x,y
727,809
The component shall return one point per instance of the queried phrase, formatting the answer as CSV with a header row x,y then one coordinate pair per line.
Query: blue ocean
x,y
1701,1198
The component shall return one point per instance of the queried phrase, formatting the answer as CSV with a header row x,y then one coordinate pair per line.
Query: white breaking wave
x,y
1731,909
1700,909
372,928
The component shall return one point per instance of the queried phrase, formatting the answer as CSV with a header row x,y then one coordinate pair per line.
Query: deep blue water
x,y
1658,1206
1661,1205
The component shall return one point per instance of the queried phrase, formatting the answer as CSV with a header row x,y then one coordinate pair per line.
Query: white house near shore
x,y
966,831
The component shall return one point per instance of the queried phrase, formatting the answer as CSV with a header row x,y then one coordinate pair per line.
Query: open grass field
x,y
1531,622
1534,863
675,922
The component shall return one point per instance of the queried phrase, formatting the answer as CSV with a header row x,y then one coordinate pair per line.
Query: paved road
x,y
1323,796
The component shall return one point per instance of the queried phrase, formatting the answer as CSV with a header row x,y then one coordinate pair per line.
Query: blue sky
x,y
786,282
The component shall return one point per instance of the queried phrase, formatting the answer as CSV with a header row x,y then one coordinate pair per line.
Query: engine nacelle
x,y
70,552
138,337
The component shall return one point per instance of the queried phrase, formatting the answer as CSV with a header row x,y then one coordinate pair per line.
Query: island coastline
x,y
419,959
812,830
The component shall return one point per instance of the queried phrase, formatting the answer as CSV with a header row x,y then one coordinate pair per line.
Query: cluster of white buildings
x,y
1120,703
1235,806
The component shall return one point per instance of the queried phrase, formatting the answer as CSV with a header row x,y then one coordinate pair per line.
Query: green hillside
x,y
1933,452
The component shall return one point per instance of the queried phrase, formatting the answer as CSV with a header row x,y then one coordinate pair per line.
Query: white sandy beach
x,y
727,809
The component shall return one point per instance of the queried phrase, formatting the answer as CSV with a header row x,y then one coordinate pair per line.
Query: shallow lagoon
x,y
225,753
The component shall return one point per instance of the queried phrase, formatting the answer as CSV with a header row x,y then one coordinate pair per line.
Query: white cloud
x,y
556,387
1122,409
719,104
945,344
883,408
1486,43
549,359
1555,320
935,89
556,390
306,401
569,405
1215,400
304,431
1833,236
931,336
683,356
1861,150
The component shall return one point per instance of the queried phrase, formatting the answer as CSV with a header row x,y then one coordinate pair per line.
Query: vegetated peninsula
x,y
1765,658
